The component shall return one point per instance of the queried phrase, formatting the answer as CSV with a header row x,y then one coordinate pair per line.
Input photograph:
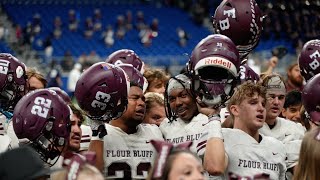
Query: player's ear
x,y
283,112
234,110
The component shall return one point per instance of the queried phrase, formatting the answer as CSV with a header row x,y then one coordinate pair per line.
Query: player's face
x,y
186,166
275,102
292,113
295,76
155,114
157,86
136,104
252,112
34,83
75,135
182,104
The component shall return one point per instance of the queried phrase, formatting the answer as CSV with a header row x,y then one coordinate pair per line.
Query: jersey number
x,y
41,107
101,100
125,167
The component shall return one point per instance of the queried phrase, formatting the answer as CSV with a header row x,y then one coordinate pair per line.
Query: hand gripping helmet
x,y
44,118
248,74
62,94
136,78
102,91
311,98
309,59
214,67
12,81
241,21
126,56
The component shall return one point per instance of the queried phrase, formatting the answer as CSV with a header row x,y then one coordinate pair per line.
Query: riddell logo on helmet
x,y
218,61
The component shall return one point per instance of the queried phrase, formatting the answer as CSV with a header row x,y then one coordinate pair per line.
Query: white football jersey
x,y
247,157
3,124
129,156
179,131
5,143
284,130
86,134
290,134
14,139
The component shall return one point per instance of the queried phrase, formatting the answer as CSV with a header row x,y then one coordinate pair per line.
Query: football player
x,y
284,130
13,85
36,80
43,117
101,93
131,155
244,151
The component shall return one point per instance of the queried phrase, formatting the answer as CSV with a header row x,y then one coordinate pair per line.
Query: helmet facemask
x,y
11,93
49,146
213,85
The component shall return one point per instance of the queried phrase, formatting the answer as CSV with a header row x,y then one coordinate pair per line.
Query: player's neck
x,y
271,122
252,132
128,128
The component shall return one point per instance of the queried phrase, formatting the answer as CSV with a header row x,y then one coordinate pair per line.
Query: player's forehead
x,y
254,96
176,92
275,93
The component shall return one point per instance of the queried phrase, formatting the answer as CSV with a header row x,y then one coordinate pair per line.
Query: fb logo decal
x,y
101,100
4,66
41,107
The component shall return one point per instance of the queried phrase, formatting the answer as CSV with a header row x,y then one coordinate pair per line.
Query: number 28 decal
x,y
101,100
41,107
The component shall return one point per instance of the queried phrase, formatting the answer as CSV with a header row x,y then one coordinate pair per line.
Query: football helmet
x,y
309,59
214,67
62,94
13,80
241,21
102,91
247,74
311,100
136,78
126,56
43,117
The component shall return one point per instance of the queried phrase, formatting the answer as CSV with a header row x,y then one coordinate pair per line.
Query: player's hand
x,y
98,129
204,109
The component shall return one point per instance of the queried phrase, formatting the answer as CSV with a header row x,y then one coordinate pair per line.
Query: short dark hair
x,y
292,98
78,112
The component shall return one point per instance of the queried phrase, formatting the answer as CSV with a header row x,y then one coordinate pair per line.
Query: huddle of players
x,y
259,146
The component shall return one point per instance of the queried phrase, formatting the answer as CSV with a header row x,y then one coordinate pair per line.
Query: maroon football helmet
x,y
309,59
248,74
214,67
62,94
13,80
136,78
241,21
102,91
126,56
311,98
43,117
